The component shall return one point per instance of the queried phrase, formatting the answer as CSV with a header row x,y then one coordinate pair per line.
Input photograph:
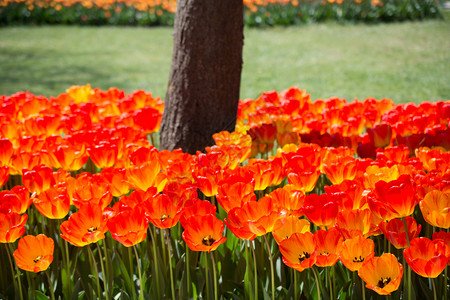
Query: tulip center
x,y
164,217
303,256
383,282
37,259
208,240
358,259
92,229
324,253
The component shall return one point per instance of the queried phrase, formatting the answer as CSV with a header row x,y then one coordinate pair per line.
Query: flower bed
x,y
305,199
256,12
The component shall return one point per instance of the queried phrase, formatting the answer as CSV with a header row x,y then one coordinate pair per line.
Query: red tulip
x,y
34,253
427,258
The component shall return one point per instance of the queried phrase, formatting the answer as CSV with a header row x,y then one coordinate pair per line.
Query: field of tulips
x,y
256,12
323,199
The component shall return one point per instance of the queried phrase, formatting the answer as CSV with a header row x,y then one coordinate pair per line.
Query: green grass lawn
x,y
403,61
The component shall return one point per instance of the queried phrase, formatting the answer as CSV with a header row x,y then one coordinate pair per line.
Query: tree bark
x,y
205,76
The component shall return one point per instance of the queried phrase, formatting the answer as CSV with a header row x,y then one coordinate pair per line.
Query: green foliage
x,y
268,14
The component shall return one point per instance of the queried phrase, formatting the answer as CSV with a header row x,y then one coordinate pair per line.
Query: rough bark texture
x,y
203,92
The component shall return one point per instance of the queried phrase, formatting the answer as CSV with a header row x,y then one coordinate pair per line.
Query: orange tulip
x,y
261,216
382,274
288,199
104,154
196,207
445,236
340,169
4,174
394,199
92,189
350,194
17,199
328,245
129,227
6,151
147,175
53,203
162,212
207,180
292,224
353,223
427,258
320,209
299,251
265,172
39,179
235,190
394,231
71,157
396,154
238,225
116,178
433,159
84,227
12,226
204,233
34,253
374,174
435,208
355,251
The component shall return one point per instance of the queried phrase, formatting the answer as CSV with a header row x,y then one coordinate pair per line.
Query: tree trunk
x,y
203,91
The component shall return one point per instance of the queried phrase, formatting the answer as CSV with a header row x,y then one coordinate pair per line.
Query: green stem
x,y
334,282
434,289
363,289
408,268
13,273
96,271
295,284
155,260
445,283
206,276
255,267
317,282
214,274
169,247
272,273
18,272
330,284
105,249
105,286
188,272
50,286
141,290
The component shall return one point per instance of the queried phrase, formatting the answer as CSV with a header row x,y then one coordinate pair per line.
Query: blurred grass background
x,y
407,61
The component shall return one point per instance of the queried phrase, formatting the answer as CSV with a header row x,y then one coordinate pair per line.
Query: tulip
x,y
320,209
427,258
328,245
292,224
162,212
355,251
435,208
382,274
86,226
394,231
53,203
129,227
34,253
12,226
299,251
394,199
204,233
